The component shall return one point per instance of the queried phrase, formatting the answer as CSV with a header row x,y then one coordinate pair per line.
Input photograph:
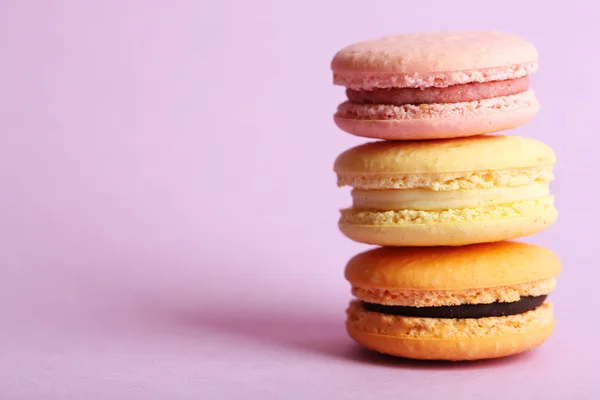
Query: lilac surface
x,y
169,209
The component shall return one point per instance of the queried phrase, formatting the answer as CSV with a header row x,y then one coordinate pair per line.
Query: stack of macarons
x,y
445,193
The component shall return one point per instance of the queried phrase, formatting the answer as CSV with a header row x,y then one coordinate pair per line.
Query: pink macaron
x,y
435,85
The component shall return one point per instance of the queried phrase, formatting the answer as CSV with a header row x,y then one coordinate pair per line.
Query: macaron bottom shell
x,y
450,340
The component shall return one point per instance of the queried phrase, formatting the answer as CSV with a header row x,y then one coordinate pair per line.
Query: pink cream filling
x,y
451,94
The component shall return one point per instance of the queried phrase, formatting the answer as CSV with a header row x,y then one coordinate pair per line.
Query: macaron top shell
x,y
437,52
452,268
478,153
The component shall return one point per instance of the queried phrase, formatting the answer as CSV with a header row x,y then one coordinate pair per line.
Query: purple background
x,y
168,206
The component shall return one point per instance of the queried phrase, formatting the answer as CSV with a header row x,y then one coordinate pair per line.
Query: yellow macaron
x,y
447,192
452,303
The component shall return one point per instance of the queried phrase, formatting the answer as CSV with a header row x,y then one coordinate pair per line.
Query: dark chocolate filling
x,y
497,309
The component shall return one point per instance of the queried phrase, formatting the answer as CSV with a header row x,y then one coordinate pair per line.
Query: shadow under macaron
x,y
321,335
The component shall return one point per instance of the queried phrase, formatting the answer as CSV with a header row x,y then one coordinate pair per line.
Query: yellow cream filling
x,y
428,200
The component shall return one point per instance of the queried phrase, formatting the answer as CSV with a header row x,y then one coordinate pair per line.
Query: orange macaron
x,y
452,303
